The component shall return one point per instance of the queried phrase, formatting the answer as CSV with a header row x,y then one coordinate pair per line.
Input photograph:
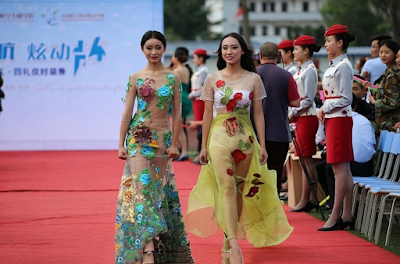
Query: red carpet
x,y
59,207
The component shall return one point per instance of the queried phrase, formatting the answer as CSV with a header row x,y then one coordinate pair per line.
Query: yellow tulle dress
x,y
256,213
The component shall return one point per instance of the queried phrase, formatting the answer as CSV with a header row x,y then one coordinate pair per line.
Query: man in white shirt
x,y
374,67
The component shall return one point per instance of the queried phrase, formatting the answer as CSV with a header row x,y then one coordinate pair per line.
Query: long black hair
x,y
246,61
153,34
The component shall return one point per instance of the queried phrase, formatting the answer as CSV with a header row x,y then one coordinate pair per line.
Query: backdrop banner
x,y
65,66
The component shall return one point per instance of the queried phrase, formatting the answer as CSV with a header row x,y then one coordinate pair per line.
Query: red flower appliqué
x,y
231,125
231,105
220,83
251,139
251,95
230,172
344,112
253,191
257,175
238,155
326,92
238,96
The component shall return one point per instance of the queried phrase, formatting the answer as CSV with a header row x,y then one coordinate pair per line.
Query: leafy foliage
x,y
364,20
185,19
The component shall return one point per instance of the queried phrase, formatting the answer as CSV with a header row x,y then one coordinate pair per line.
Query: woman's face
x,y
198,61
398,59
299,53
332,46
387,55
153,49
286,56
231,50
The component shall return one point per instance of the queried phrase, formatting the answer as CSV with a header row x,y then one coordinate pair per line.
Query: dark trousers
x,y
277,152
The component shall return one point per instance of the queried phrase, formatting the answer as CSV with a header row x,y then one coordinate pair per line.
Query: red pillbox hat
x,y
336,29
287,43
304,40
200,52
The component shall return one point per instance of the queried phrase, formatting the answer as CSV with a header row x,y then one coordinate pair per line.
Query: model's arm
x,y
172,151
126,117
207,119
258,116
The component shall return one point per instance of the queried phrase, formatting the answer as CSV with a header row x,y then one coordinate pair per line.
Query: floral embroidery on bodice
x,y
150,118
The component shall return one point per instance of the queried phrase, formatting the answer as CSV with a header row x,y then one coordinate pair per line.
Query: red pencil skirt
x,y
338,139
306,128
198,110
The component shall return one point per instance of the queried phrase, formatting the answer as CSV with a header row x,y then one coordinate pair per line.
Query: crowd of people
x,y
246,118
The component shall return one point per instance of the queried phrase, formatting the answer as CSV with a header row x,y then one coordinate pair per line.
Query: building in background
x,y
270,20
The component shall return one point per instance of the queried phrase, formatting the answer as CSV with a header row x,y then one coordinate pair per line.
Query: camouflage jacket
x,y
387,100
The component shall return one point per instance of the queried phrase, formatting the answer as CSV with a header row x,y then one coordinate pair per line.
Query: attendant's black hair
x,y
312,48
289,49
205,57
391,44
153,34
346,38
246,61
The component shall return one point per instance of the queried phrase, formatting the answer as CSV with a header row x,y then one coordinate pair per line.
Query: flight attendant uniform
x,y
305,116
288,44
336,84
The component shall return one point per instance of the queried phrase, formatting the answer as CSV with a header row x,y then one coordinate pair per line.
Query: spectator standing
x,y
374,67
282,92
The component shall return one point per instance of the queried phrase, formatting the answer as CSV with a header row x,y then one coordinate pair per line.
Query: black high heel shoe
x,y
349,222
337,226
307,208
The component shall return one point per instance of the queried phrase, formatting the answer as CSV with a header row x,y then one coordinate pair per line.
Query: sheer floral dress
x,y
260,217
148,205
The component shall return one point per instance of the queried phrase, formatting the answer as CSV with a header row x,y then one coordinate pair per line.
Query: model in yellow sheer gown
x,y
234,193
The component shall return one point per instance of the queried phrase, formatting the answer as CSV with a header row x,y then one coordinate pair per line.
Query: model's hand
x,y
172,152
397,125
320,115
122,154
203,156
263,156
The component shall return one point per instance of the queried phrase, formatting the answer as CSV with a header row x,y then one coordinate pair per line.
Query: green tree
x,y
390,10
316,32
185,20
361,18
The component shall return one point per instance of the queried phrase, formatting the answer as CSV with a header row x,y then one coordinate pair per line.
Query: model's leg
x,y
348,198
342,190
231,199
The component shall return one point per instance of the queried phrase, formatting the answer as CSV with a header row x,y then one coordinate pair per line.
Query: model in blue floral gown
x,y
149,227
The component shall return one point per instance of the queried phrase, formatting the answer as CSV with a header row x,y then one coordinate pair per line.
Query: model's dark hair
x,y
182,54
391,44
312,48
380,38
246,61
153,34
346,38
289,49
